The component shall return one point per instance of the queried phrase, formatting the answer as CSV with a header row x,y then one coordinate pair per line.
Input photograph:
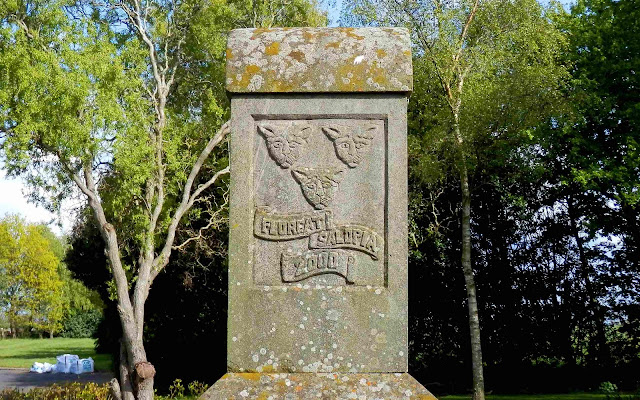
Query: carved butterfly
x,y
318,184
350,143
285,144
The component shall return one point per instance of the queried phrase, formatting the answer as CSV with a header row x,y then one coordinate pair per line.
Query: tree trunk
x,y
602,357
136,373
472,300
50,334
125,388
632,241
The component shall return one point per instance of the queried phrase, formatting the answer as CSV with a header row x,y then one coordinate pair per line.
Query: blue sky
x,y
12,199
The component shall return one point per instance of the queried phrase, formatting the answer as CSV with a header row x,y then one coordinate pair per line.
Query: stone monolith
x,y
318,215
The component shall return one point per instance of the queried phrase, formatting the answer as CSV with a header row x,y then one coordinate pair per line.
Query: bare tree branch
x,y
188,198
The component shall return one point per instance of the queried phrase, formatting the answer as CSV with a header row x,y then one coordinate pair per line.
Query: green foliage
x,y
30,282
604,138
176,389
71,391
82,324
197,389
608,388
91,391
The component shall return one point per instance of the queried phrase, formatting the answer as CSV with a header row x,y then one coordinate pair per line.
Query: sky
x,y
13,201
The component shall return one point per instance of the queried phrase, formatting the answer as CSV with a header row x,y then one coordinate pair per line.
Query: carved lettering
x,y
272,226
298,267
354,237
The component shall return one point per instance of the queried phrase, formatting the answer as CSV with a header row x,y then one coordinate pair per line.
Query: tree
x,y
122,102
592,154
29,272
491,72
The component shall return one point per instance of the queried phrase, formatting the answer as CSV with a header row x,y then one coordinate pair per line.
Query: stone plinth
x,y
333,386
318,213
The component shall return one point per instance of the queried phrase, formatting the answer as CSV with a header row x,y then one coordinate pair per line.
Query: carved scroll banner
x,y
298,267
354,237
272,226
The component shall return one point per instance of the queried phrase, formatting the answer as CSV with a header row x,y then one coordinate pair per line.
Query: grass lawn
x,y
22,353
568,396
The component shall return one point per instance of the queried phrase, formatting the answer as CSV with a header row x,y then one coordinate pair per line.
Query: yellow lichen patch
x,y
308,36
351,76
350,32
259,31
252,69
277,84
250,376
426,397
407,52
229,54
334,45
263,396
267,368
297,55
272,49
249,71
381,53
380,79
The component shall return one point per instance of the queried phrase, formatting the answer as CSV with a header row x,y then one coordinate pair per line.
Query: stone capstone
x,y
319,60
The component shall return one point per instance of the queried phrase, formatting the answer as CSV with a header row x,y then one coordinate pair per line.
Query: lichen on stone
x,y
319,60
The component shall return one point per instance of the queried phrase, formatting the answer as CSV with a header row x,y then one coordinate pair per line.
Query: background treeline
x,y
38,294
553,168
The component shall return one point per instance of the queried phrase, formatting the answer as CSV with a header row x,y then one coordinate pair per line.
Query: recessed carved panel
x,y
320,201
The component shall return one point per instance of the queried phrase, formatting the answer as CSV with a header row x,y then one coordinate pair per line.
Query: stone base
x,y
324,386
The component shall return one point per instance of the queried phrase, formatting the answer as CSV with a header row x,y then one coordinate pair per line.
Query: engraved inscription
x,y
354,237
272,226
318,184
297,267
351,142
285,143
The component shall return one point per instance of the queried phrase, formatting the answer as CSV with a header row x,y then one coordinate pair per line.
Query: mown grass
x,y
22,353
568,396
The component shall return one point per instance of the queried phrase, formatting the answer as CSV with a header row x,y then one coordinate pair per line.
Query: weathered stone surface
x,y
318,263
318,215
319,60
254,386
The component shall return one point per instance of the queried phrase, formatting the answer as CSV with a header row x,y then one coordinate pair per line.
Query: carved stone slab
x,y
319,60
318,212
318,234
